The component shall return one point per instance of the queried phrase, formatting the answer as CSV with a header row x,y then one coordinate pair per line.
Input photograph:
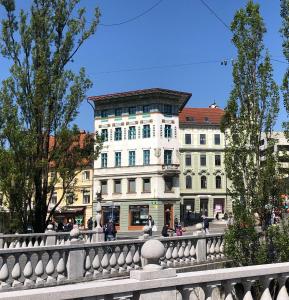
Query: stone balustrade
x,y
265,282
78,259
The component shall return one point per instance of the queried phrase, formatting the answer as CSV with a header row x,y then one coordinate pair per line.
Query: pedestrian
x,y
206,224
176,223
217,216
179,230
166,230
110,231
150,224
90,223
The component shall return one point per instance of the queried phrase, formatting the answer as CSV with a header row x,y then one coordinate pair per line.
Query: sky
x,y
179,45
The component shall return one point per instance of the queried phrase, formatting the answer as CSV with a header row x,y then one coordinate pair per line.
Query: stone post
x,y
50,236
75,261
151,252
201,248
98,235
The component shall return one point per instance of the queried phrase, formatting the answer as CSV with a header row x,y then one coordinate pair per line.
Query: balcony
x,y
171,169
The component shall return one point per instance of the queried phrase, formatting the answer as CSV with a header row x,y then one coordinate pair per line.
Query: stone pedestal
x,y
98,235
51,237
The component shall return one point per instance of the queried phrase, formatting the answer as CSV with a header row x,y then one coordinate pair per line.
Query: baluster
x,y
128,260
30,244
229,288
217,248
168,255
60,267
18,244
42,243
87,265
181,252
209,242
4,274
212,249
222,248
208,290
121,261
282,295
175,254
104,262
113,262
187,252
39,270
193,253
136,258
96,264
266,293
5,245
247,289
50,270
28,271
16,272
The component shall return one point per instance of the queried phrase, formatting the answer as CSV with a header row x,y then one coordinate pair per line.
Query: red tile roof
x,y
201,116
140,93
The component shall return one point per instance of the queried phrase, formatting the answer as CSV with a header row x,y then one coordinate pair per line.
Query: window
x,y
218,182
206,119
146,185
168,157
104,113
131,158
104,160
117,159
104,135
217,160
188,139
103,185
203,182
117,186
111,212
131,185
168,184
138,215
202,139
203,160
146,109
118,112
188,160
69,199
131,133
217,139
85,175
132,110
146,131
146,157
188,182
53,200
85,197
168,131
117,134
167,109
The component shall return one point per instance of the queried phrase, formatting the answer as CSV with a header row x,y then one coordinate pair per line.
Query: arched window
x,y
218,182
203,182
188,182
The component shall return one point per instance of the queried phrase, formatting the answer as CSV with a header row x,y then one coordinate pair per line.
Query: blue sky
x,y
175,32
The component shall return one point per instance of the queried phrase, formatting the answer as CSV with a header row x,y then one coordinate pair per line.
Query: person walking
x,y
150,224
110,231
90,223
206,224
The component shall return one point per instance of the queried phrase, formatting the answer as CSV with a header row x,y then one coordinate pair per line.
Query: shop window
x,y
146,131
146,157
103,185
188,182
117,134
131,133
188,160
104,160
218,182
131,185
138,215
202,139
203,182
117,186
168,184
217,139
111,213
86,197
217,160
188,139
168,131
146,185
203,160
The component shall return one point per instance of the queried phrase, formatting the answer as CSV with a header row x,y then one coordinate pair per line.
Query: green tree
x,y
250,115
285,33
39,102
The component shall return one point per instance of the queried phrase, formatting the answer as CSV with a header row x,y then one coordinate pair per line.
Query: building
x,y
138,168
203,181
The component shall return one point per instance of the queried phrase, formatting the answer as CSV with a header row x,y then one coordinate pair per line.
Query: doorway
x,y
169,214
204,207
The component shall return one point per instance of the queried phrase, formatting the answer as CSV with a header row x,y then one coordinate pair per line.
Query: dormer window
x,y
190,119
206,120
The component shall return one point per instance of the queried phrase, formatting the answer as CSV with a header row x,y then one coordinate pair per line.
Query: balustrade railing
x,y
82,260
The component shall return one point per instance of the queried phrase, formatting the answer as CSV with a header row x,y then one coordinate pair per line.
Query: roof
x,y
144,92
201,116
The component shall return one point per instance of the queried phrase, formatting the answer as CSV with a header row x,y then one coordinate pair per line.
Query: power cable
x,y
133,18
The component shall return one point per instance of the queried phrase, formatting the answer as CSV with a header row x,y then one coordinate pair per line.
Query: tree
x,y
39,102
285,33
250,116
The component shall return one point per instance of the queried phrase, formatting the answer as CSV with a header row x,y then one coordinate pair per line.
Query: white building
x,y
138,168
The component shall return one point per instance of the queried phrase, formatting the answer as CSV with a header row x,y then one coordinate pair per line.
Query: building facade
x,y
203,181
138,168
